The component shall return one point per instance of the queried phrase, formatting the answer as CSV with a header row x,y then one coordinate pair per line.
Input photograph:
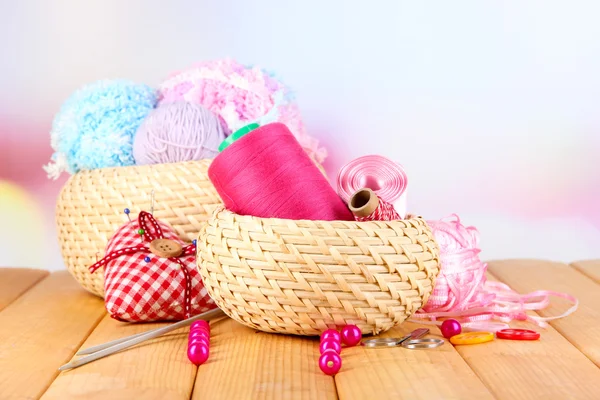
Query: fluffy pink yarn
x,y
239,95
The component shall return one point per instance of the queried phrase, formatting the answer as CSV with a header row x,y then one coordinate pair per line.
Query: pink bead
x,y
331,333
197,353
200,324
450,327
351,335
199,333
330,362
198,340
330,344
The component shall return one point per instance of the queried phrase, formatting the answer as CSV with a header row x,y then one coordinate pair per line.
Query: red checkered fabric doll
x,y
150,274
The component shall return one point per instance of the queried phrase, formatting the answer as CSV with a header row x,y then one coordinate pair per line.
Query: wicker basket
x,y
302,277
90,208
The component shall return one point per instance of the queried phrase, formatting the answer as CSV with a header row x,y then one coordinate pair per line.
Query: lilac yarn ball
x,y
177,132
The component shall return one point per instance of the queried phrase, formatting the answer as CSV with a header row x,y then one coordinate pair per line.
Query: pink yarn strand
x,y
462,291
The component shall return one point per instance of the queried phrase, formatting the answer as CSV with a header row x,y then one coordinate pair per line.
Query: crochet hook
x,y
107,349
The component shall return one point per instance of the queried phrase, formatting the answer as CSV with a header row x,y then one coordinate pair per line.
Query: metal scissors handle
x,y
411,341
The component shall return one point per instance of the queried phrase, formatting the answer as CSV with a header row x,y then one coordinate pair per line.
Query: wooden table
x,y
45,318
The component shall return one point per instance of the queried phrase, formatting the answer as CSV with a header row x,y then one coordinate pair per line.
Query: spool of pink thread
x,y
367,206
266,173
382,175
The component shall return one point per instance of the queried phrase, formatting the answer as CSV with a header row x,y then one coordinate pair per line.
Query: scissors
x,y
411,341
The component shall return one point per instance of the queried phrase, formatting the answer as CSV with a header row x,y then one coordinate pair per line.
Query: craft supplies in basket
x,y
302,277
90,208
94,136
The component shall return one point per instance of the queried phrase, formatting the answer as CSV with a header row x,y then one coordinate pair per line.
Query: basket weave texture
x,y
302,277
90,209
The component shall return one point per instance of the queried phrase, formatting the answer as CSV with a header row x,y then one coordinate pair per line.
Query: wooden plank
x,y
590,268
247,364
40,331
157,369
16,281
582,328
550,368
398,373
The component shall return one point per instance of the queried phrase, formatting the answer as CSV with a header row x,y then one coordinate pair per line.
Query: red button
x,y
517,334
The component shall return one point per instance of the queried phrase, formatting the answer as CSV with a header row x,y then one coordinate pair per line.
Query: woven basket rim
x,y
222,209
135,166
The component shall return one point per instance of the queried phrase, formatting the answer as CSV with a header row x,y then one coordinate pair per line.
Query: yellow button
x,y
472,338
166,248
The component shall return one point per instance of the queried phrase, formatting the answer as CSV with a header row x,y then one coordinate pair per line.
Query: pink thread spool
x,y
367,206
267,174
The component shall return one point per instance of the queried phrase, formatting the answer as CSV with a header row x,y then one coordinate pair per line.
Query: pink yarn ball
x,y
351,335
450,327
330,362
239,95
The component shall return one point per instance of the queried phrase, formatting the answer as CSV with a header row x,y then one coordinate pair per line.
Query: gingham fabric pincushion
x,y
150,274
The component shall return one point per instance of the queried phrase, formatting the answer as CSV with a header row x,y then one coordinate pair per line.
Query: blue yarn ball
x,y
95,126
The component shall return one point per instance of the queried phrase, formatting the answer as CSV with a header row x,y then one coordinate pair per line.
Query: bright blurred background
x,y
492,107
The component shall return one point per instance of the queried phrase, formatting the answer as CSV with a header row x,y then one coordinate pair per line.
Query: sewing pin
x,y
127,211
152,202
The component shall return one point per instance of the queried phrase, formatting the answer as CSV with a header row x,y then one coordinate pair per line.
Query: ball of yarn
x,y
176,132
240,95
95,126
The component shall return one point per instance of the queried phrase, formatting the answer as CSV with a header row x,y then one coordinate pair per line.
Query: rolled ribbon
x,y
380,174
462,291
367,206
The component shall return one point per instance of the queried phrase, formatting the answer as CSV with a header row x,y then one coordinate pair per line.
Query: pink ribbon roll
x,y
382,175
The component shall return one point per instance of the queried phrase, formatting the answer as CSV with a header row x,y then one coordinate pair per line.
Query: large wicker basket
x,y
90,208
302,277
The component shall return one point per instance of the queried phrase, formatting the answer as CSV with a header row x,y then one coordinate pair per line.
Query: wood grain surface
x,y
156,369
399,373
246,364
16,281
40,331
582,328
47,318
591,268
